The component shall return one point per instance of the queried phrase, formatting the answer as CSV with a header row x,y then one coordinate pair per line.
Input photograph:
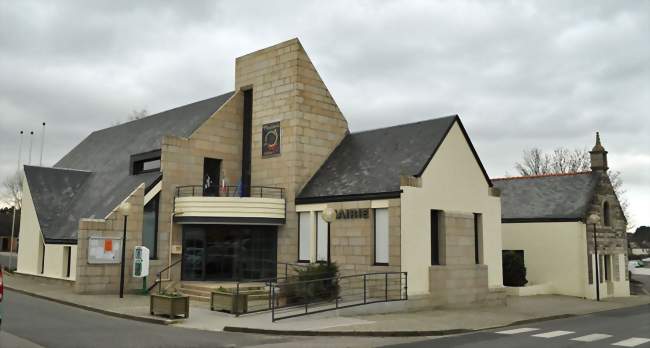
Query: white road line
x,y
591,338
631,342
552,334
517,331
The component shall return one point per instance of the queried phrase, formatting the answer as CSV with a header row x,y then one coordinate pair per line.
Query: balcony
x,y
262,206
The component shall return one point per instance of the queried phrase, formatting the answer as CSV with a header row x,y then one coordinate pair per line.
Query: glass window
x,y
150,227
322,238
381,236
435,238
304,223
606,214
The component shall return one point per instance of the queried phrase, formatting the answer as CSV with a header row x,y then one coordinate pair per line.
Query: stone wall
x,y
611,239
459,280
182,164
287,88
105,278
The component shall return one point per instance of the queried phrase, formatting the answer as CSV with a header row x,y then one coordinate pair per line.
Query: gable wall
x,y
31,238
612,239
287,88
182,164
452,182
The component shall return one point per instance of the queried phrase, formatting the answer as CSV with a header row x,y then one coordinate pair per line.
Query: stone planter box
x,y
171,306
228,302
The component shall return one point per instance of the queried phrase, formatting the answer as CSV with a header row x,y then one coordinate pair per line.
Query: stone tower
x,y
598,156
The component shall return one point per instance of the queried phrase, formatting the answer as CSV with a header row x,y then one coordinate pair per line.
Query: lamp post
x,y
594,220
125,211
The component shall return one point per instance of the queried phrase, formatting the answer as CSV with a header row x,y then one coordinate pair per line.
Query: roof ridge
x,y
161,112
59,168
542,175
402,124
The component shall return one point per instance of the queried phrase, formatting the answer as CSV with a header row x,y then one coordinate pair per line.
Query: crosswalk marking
x,y
591,338
517,331
631,342
552,334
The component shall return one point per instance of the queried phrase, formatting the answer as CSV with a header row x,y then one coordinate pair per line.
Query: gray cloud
x,y
520,74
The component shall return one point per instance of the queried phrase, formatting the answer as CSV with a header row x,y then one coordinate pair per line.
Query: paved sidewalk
x,y
430,322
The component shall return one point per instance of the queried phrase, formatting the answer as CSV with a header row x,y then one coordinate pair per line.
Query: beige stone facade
x,y
286,88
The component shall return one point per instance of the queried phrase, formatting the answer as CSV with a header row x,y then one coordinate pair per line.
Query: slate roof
x,y
564,197
371,162
105,157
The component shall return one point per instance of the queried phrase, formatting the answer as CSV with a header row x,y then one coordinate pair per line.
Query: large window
x,y
381,236
322,239
435,237
150,226
304,238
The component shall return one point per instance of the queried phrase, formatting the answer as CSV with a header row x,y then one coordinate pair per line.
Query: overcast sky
x,y
520,74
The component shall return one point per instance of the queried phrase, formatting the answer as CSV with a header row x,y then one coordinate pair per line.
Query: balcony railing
x,y
230,191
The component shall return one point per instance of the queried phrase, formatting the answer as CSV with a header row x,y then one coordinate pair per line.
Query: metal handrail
x,y
403,294
231,191
159,276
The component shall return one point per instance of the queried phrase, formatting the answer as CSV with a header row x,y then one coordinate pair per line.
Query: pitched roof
x,y
105,155
557,197
371,162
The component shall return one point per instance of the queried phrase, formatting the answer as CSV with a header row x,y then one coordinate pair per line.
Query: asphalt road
x,y
50,324
628,327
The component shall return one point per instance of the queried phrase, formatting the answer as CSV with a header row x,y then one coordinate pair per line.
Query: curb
x,y
348,333
389,333
96,310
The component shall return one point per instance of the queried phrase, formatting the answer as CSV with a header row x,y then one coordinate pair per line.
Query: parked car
x,y
635,264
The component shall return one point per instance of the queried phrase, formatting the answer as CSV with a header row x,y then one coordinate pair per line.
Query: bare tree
x,y
132,116
562,161
137,114
12,188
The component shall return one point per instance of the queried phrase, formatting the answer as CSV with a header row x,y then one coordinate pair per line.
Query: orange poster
x,y
108,245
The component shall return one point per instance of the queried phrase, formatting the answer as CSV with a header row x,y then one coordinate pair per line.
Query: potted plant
x,y
171,304
226,300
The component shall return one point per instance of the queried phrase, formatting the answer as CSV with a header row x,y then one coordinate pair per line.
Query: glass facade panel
x,y
150,227
305,237
381,236
229,252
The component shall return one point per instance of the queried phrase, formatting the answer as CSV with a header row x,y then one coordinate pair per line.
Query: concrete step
x,y
194,292
210,288
199,298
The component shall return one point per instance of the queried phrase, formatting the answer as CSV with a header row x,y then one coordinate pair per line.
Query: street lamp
x,y
593,220
126,206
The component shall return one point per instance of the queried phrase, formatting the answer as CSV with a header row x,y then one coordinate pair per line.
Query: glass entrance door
x,y
229,252
193,264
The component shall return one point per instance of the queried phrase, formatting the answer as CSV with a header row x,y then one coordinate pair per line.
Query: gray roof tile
x,y
546,198
371,162
106,154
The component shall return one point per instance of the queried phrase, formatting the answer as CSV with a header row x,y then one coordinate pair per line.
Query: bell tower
x,y
598,156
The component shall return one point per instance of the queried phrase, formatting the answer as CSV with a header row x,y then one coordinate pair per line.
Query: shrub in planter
x,y
169,304
514,269
315,283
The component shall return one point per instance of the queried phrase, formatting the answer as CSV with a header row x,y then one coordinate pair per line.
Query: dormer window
x,y
145,162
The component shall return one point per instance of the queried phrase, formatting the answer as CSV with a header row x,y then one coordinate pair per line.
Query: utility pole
x,y
31,140
40,163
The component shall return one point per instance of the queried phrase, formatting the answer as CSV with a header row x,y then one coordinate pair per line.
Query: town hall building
x,y
234,186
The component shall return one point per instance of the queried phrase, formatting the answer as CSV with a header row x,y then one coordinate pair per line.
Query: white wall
x,y
30,235
554,252
31,241
612,288
453,181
